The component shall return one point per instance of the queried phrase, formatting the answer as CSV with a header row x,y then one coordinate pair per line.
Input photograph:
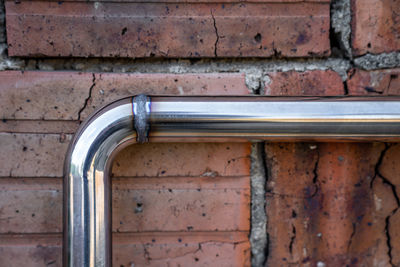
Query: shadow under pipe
x,y
87,189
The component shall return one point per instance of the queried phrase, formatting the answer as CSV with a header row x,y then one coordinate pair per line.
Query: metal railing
x,y
87,200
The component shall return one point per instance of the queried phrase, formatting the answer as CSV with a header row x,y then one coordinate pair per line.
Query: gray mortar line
x,y
258,234
379,61
255,70
341,24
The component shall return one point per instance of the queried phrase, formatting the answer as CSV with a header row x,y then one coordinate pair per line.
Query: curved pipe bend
x,y
87,204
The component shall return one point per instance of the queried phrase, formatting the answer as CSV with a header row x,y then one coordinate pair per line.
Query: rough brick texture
x,y
189,29
325,200
32,155
109,87
389,171
188,204
43,95
375,26
199,209
308,83
379,82
177,204
335,210
26,95
145,249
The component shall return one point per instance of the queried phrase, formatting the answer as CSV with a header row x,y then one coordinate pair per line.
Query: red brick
x,y
184,159
103,29
43,95
290,182
326,204
169,206
308,83
31,250
145,249
198,1
139,204
378,82
113,86
38,126
203,249
375,26
32,155
345,172
369,242
31,206
26,95
389,169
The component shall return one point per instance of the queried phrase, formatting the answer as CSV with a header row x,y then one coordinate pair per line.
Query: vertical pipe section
x,y
87,204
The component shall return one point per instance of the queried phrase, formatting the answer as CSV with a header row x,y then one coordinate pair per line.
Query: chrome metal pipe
x,y
87,211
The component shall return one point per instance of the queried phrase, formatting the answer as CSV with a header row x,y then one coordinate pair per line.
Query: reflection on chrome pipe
x,y
275,118
87,207
87,223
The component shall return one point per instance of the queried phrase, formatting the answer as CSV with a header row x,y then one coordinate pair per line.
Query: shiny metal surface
x,y
87,211
87,223
250,118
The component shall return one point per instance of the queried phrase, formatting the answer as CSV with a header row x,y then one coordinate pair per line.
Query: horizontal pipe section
x,y
87,223
271,118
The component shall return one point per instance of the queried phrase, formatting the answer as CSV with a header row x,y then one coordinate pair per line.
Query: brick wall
x,y
200,204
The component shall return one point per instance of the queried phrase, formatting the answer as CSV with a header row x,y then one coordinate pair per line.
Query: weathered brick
x,y
389,169
2,23
290,183
31,250
350,223
112,86
378,82
184,159
197,1
308,83
188,29
32,155
375,26
203,249
43,95
36,95
182,204
34,205
333,211
144,249
31,205
38,126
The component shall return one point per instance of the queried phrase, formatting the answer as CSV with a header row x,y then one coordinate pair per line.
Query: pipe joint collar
x,y
141,114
